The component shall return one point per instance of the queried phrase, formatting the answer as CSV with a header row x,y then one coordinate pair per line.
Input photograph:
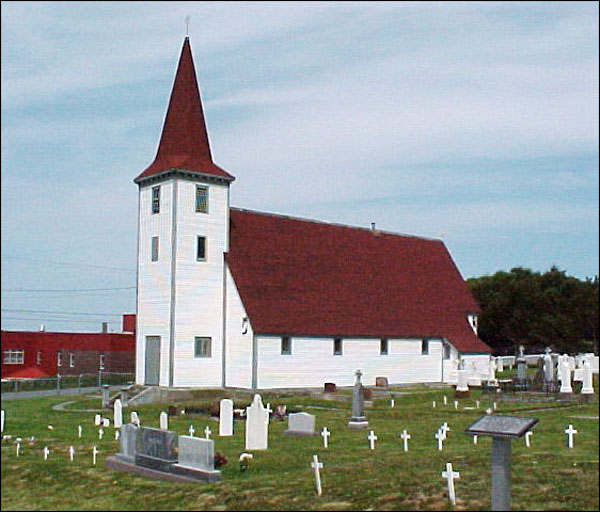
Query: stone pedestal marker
x,y
450,475
358,420
502,429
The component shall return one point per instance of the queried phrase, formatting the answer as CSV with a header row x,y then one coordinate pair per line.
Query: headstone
x,y
499,364
257,425
462,387
325,435
46,452
455,405
18,448
381,382
226,417
445,400
128,442
433,404
105,422
316,465
155,449
475,439
588,385
118,414
358,420
330,387
97,420
117,435
301,424
105,396
197,459
164,421
405,437
570,433
564,375
450,475
372,438
191,430
100,433
528,438
135,419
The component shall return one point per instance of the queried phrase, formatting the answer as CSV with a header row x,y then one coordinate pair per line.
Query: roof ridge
x,y
335,224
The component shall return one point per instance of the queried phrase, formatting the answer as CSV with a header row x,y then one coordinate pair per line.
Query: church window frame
x,y
424,347
155,199
102,362
286,346
71,359
447,350
338,347
58,358
384,347
201,199
202,347
201,248
154,249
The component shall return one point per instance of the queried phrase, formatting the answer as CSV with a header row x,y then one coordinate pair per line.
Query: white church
x,y
228,297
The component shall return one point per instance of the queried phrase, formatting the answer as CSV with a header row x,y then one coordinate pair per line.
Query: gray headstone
x,y
118,414
197,459
105,396
128,442
155,448
358,419
301,423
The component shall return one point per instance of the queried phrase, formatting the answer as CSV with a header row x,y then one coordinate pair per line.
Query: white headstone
x,y
226,417
405,437
118,413
105,422
570,433
316,465
445,400
117,435
564,374
477,404
257,425
588,386
450,475
392,402
135,419
325,435
372,438
164,421
18,448
433,404
456,404
475,439
97,420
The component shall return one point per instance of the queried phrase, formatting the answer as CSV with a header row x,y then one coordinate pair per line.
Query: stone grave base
x,y
197,474
120,465
462,394
298,433
356,423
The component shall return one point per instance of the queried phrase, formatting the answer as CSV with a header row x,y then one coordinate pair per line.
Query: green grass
x,y
547,476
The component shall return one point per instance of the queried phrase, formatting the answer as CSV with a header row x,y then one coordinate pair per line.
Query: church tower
x,y
183,234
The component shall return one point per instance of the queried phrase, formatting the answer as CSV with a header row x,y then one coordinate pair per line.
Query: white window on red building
x,y
71,359
39,358
14,356
102,361
59,358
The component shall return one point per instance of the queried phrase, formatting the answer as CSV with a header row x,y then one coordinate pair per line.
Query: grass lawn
x,y
547,476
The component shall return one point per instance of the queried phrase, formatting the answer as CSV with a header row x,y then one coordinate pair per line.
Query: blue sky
x,y
476,123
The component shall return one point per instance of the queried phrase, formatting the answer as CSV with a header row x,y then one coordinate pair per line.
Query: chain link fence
x,y
84,380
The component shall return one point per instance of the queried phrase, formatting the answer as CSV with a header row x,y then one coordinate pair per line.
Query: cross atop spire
x,y
184,144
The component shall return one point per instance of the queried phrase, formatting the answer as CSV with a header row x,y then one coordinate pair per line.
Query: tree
x,y
537,310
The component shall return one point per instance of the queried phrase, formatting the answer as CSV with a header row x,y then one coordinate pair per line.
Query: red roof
x,y
309,278
184,142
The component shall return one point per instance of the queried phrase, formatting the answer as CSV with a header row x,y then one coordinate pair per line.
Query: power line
x,y
58,312
70,264
76,290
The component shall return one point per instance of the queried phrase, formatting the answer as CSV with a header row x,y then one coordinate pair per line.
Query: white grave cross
x,y
440,436
71,453
316,465
570,432
528,438
79,429
372,438
18,448
405,437
46,452
450,475
191,431
100,433
207,432
94,453
445,429
445,400
325,435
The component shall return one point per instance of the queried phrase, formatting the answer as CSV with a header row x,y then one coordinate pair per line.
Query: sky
x,y
476,123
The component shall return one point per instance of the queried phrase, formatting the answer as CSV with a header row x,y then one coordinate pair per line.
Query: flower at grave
x,y
220,460
50,427
6,438
31,440
245,461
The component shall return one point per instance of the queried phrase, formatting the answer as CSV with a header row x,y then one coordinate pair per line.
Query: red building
x,y
30,354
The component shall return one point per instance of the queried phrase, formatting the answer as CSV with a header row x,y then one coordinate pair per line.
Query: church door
x,y
152,360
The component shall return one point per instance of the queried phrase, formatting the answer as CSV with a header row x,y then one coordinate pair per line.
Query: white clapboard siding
x,y
154,278
199,285
482,361
312,362
239,346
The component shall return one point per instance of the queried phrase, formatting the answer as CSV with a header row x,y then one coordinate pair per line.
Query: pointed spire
x,y
184,141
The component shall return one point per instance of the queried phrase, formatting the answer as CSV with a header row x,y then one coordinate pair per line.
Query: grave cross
x,y
450,475
494,406
18,448
100,433
191,431
405,437
527,438
372,438
117,435
79,429
207,432
439,435
570,432
71,453
94,453
316,465
433,404
392,402
445,429
455,404
477,404
46,452
445,400
325,434
475,439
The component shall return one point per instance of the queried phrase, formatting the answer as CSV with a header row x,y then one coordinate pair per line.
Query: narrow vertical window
x,y
59,358
424,347
71,359
102,362
201,199
383,346
202,347
286,346
337,346
447,350
39,358
156,199
201,249
154,248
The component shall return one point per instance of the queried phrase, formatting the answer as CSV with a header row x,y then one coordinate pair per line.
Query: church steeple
x,y
184,144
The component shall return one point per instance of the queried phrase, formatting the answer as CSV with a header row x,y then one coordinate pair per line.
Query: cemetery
x,y
384,448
